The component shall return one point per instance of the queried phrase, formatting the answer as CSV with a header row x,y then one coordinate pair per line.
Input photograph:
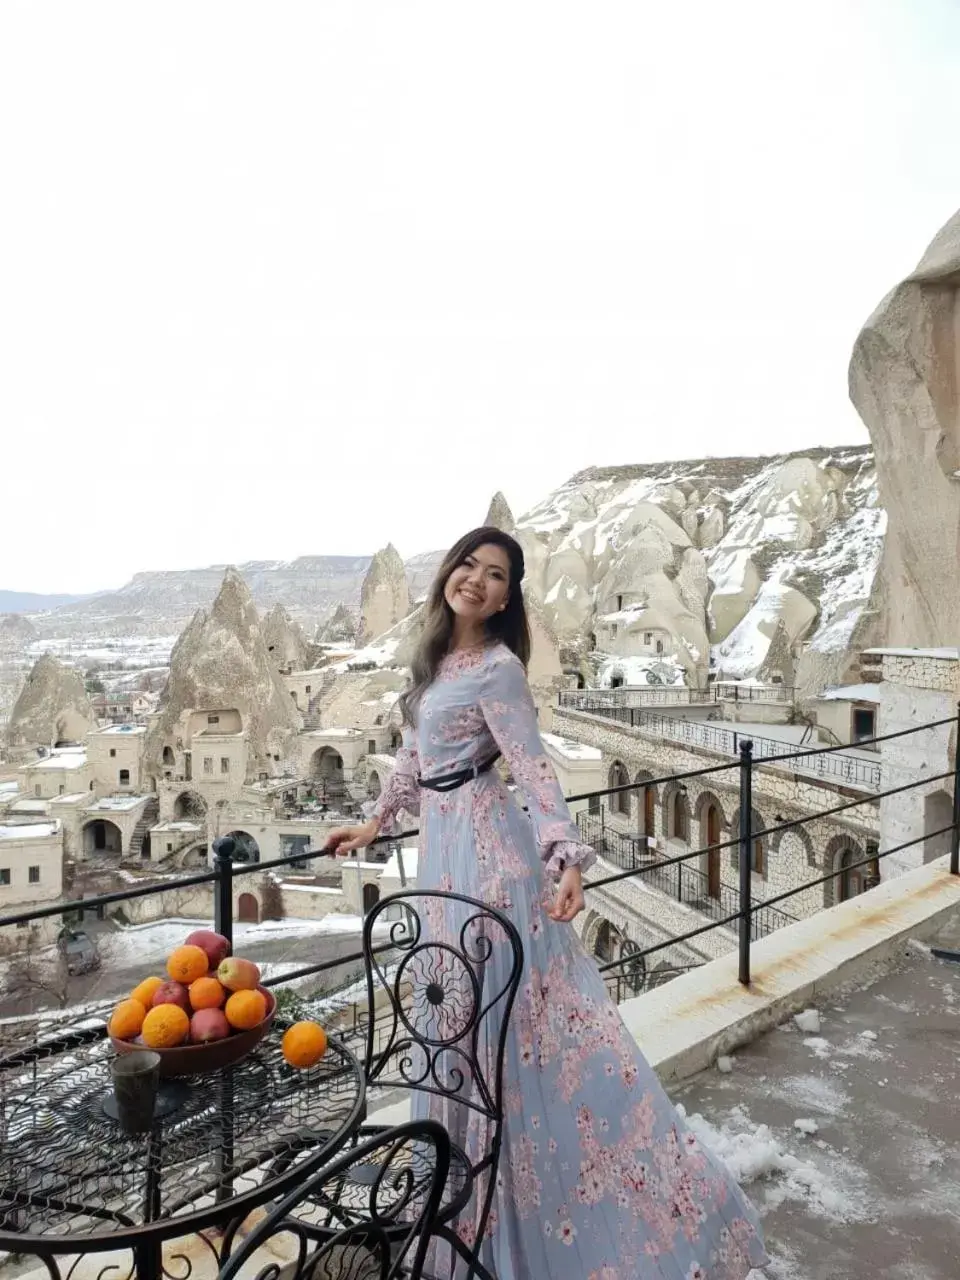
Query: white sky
x,y
301,278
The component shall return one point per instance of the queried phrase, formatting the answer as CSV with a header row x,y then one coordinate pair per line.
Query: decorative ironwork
x,y
72,1182
368,1215
456,966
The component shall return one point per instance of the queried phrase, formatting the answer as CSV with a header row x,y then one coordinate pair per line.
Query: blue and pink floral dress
x,y
599,1179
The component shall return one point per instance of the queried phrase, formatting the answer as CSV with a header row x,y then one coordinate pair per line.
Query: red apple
x,y
238,975
215,945
207,1025
172,993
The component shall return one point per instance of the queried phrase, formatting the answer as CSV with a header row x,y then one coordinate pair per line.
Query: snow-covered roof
x,y
411,858
9,788
116,804
178,826
30,831
69,759
572,750
124,728
853,693
73,798
331,733
29,806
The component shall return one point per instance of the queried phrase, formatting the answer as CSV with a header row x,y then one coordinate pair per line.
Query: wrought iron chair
x,y
379,1231
439,1001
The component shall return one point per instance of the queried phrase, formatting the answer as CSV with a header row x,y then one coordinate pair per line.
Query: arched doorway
x,y
102,837
371,896
711,826
245,848
852,880
248,909
189,807
676,814
620,800
169,760
608,942
937,817
646,804
327,765
373,784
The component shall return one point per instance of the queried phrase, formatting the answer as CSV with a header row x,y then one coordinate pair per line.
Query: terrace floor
x,y
872,1188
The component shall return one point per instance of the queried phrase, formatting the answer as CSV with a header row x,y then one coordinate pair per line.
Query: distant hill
x,y
31,602
163,601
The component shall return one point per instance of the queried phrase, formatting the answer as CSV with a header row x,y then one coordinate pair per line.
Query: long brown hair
x,y
511,626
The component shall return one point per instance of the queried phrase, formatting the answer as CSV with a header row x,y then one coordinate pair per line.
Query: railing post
x,y
223,849
679,881
746,842
955,833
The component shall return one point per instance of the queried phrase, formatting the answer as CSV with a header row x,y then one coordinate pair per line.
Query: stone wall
x,y
791,858
918,689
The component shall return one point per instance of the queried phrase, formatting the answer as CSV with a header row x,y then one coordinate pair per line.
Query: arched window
x,y
620,800
679,824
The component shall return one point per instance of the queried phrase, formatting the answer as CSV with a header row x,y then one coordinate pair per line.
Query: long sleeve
x,y
402,792
508,708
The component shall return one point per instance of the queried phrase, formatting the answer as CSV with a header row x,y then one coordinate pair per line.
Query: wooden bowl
x,y
197,1059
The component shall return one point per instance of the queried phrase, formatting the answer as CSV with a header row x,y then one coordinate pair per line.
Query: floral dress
x,y
599,1179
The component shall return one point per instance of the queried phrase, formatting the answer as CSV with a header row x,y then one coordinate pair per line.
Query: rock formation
x,y
52,707
16,632
499,516
340,628
285,640
904,383
384,596
221,663
734,557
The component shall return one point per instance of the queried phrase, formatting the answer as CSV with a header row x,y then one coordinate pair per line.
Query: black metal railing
x,y
676,695
709,895
834,764
751,919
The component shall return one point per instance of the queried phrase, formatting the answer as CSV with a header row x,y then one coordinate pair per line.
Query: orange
x,y
146,990
206,993
165,1026
187,964
304,1044
127,1019
245,1009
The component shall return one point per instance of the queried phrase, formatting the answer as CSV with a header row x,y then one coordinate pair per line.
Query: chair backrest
x,y
443,971
381,1231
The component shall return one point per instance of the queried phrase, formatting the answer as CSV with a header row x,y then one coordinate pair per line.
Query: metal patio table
x,y
72,1182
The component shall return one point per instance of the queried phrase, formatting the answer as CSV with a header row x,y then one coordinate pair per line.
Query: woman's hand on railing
x,y
344,840
569,901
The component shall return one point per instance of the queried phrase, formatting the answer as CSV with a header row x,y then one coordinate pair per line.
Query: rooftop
x,y
572,750
69,759
30,831
124,728
853,693
115,804
946,654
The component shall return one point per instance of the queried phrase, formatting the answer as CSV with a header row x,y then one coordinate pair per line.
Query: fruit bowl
x,y
197,1059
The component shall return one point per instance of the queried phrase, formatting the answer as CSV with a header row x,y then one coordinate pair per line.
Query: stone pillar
x,y
919,686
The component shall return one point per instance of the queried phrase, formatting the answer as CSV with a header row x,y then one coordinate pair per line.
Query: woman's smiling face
x,y
480,586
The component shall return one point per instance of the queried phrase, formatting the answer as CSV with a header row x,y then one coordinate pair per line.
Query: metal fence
x,y
830,763
731,908
676,696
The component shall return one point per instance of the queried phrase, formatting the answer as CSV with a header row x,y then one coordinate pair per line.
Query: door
x,y
713,857
649,811
247,909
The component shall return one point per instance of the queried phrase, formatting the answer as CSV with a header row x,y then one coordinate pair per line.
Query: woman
x,y
599,1178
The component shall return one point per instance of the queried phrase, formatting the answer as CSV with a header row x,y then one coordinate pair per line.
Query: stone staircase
x,y
148,819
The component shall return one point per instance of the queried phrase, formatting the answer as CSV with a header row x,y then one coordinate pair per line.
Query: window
x,y
659,646
224,764
124,777
61,789
169,847
619,603
648,637
36,790
208,764
613,630
113,752
4,875
33,875
371,747
308,688
864,723
213,719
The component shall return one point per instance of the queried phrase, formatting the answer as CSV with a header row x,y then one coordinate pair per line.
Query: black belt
x,y
451,781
